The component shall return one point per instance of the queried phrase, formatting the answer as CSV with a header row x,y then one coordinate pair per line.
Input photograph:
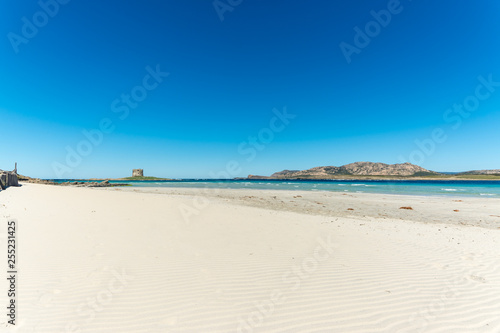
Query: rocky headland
x,y
357,169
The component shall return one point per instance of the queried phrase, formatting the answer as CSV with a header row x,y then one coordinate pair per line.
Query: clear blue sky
x,y
226,77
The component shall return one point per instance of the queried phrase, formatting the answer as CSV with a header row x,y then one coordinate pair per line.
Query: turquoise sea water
x,y
477,188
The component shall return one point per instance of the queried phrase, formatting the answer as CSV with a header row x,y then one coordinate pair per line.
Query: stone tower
x,y
137,173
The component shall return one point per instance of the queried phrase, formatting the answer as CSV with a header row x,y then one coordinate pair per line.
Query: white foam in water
x,y
453,189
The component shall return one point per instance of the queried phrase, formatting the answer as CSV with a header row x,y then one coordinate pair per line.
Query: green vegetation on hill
x,y
462,177
479,177
423,174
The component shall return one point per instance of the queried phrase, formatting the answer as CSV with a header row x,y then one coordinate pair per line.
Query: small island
x,y
138,174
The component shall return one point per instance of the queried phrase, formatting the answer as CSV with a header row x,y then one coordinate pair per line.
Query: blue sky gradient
x,y
226,77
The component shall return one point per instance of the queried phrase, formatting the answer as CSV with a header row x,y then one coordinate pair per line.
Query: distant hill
x,y
481,172
353,169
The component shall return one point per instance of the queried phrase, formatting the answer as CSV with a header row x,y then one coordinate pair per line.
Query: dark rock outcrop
x,y
104,183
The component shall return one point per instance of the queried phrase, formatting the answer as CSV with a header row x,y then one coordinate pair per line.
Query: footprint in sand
x,y
164,325
469,256
46,296
440,266
477,278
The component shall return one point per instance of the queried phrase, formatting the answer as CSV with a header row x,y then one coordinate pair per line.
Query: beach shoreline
x,y
470,211
97,259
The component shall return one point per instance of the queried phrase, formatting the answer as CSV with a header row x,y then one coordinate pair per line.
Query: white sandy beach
x,y
163,260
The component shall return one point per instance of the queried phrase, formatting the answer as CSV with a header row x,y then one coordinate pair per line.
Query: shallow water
x,y
474,188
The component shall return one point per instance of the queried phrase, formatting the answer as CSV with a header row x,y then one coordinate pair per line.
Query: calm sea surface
x,y
477,188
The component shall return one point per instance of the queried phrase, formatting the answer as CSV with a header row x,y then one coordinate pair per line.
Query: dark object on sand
x,y
8,178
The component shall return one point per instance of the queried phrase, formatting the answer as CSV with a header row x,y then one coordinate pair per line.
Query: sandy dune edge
x,y
457,210
121,261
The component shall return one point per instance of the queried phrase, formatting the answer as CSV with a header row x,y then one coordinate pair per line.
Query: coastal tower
x,y
137,173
